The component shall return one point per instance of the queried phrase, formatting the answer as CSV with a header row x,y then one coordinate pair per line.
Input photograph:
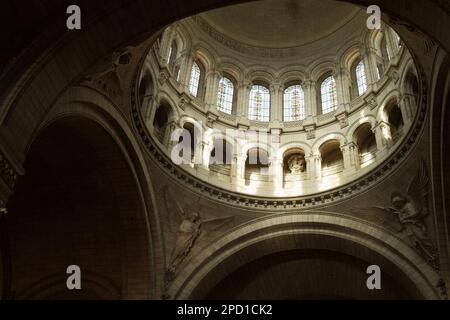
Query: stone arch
x,y
394,116
440,122
331,157
294,162
365,140
320,69
291,74
262,75
205,57
134,210
350,55
351,130
95,286
330,136
292,145
334,232
390,97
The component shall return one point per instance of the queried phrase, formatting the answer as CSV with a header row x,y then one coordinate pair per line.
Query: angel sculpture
x,y
407,215
192,230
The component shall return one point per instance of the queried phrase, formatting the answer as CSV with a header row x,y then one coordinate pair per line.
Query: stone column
x,y
314,166
341,77
351,156
207,149
212,87
238,169
172,126
391,42
276,103
165,44
407,105
185,69
345,80
370,64
383,136
276,172
244,88
149,107
309,88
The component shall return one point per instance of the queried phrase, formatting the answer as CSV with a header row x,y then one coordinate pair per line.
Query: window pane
x,y
361,78
329,96
225,96
195,79
259,104
294,103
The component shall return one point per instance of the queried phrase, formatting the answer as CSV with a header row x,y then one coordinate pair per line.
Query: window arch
x,y
361,80
294,103
194,83
328,95
225,95
259,104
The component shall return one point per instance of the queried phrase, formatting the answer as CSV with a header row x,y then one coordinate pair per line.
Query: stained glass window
x,y
294,103
329,96
225,95
195,79
361,78
259,104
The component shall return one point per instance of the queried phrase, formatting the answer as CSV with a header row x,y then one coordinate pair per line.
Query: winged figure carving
x,y
191,229
406,215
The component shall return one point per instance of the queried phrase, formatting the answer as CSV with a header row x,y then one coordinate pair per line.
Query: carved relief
x,y
406,215
191,228
296,164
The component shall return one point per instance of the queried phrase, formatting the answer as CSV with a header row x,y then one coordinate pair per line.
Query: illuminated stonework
x,y
344,120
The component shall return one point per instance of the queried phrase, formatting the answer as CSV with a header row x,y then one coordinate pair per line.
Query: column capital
x,y
245,84
214,74
309,83
275,87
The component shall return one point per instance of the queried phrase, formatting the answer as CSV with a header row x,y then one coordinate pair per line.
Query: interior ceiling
x,y
281,23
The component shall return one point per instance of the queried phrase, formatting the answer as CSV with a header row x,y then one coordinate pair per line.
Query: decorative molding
x,y
310,132
343,119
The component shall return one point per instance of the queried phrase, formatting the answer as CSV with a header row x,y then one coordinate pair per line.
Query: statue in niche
x,y
407,215
297,164
191,230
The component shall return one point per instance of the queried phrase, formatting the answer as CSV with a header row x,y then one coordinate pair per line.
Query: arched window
x,y
328,94
361,78
294,103
225,96
259,104
195,79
